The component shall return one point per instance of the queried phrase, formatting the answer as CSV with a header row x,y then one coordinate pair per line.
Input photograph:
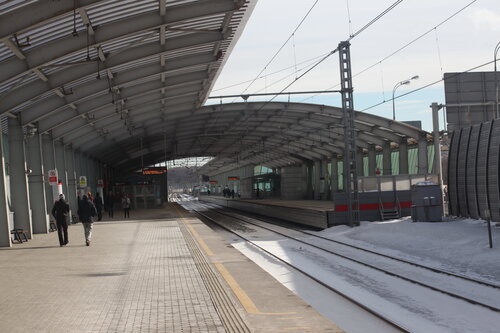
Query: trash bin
x,y
427,204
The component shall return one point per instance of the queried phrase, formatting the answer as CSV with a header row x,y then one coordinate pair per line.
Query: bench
x,y
18,233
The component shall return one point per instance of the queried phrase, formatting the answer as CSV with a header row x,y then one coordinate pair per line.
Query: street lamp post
x,y
497,48
399,84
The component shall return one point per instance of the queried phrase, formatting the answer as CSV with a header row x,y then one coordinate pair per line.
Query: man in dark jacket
x,y
98,205
86,210
60,211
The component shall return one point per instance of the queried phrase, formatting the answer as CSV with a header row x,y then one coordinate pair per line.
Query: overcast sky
x,y
465,41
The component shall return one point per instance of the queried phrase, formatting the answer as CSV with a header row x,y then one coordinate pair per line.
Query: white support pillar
x,y
18,181
61,165
403,156
360,163
324,174
69,162
48,164
317,175
334,179
5,240
387,159
422,154
36,179
372,160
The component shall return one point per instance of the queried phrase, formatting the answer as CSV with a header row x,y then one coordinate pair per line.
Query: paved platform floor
x,y
159,271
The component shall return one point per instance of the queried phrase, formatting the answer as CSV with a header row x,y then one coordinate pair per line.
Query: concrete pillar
x,y
48,164
308,171
334,176
61,165
317,175
387,160
403,156
372,160
326,184
4,206
38,201
18,181
359,162
422,154
69,162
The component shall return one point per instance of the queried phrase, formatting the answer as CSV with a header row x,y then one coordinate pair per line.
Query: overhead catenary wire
x,y
282,46
405,45
428,85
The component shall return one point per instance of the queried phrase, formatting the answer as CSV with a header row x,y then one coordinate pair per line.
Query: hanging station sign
x,y
53,178
213,182
154,171
233,178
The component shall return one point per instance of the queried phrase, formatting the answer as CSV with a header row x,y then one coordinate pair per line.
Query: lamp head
x,y
415,77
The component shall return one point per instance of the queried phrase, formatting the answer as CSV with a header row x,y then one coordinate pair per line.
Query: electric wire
x,y
282,46
428,85
404,46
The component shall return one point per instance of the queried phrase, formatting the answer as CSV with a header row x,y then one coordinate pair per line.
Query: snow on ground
x,y
457,245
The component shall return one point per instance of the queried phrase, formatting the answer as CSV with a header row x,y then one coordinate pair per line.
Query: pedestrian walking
x,y
110,204
60,211
126,206
86,212
98,205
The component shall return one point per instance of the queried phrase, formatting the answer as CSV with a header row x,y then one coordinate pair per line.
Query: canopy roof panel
x,y
124,82
64,62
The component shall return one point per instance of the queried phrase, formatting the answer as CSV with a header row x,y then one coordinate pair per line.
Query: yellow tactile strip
x,y
228,314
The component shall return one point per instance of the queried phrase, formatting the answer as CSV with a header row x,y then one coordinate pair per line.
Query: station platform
x,y
162,270
316,213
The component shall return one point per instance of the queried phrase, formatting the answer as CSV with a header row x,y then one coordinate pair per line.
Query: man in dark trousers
x,y
86,211
60,211
98,205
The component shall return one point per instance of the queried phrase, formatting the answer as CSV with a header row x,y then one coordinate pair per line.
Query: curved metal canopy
x,y
91,70
123,82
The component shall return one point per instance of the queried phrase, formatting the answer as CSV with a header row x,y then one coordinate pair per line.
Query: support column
x,y
36,179
403,156
387,159
324,174
422,154
359,163
335,176
317,175
48,164
69,161
372,160
18,181
308,171
4,206
61,165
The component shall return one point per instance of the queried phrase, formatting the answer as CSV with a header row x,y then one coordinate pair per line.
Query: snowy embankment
x,y
459,245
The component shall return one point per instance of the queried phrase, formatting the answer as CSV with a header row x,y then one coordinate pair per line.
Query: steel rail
x,y
493,308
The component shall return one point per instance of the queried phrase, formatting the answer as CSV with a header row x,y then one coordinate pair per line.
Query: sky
x,y
461,43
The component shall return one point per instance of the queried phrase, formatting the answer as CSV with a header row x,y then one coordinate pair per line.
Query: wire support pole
x,y
348,117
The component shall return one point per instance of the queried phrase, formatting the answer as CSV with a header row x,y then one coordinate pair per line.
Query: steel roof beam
x,y
50,52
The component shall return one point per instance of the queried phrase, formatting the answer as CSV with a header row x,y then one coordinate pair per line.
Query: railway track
x,y
429,268
318,242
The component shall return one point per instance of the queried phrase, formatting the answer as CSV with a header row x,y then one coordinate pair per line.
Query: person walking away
x,y
126,206
98,205
86,211
60,211
110,204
